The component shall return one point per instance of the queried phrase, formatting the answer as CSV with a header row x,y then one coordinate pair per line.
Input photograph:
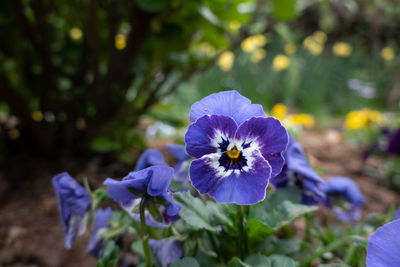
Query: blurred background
x,y
86,85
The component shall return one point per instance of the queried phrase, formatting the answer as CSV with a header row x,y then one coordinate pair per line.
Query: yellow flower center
x,y
234,153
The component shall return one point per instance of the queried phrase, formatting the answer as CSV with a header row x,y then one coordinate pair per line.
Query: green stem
x,y
309,220
145,237
213,244
332,246
243,234
349,254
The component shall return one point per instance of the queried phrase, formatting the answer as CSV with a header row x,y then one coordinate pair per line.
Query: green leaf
x,y
258,260
334,265
187,261
236,262
291,193
104,144
110,255
273,245
201,215
257,231
151,5
284,9
282,261
155,213
283,214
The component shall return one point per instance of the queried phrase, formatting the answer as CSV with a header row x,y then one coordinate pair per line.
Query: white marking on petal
x,y
248,153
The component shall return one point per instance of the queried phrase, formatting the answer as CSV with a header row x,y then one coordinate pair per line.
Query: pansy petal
x,y
383,247
178,151
228,103
161,176
240,187
97,243
150,157
271,138
118,190
346,188
167,251
172,208
204,136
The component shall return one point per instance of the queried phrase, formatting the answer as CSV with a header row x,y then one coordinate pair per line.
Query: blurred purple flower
x,y
181,167
73,203
166,251
151,183
344,198
150,157
97,243
297,172
236,148
383,247
393,147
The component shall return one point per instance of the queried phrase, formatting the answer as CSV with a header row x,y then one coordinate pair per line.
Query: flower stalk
x,y
244,252
145,237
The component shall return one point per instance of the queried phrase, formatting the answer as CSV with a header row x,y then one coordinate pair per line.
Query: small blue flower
x,y
73,203
166,251
97,243
181,168
151,183
344,198
150,157
383,247
297,172
236,148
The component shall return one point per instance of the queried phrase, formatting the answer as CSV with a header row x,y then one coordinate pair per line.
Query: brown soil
x,y
31,234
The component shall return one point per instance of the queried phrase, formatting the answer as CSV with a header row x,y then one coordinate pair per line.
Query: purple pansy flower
x,y
97,243
73,204
298,172
166,251
151,183
344,198
150,157
383,247
236,148
181,168
393,147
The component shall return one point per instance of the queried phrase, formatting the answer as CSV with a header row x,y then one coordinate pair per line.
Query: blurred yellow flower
x,y
207,49
342,49
301,119
258,55
251,43
234,25
225,60
75,33
37,116
290,48
387,53
279,111
280,62
320,37
120,41
313,46
364,118
14,134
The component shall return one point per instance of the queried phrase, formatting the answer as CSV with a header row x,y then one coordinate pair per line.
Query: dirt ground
x,y
31,234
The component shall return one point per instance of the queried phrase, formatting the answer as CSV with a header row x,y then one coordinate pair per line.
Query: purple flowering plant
x,y
247,181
